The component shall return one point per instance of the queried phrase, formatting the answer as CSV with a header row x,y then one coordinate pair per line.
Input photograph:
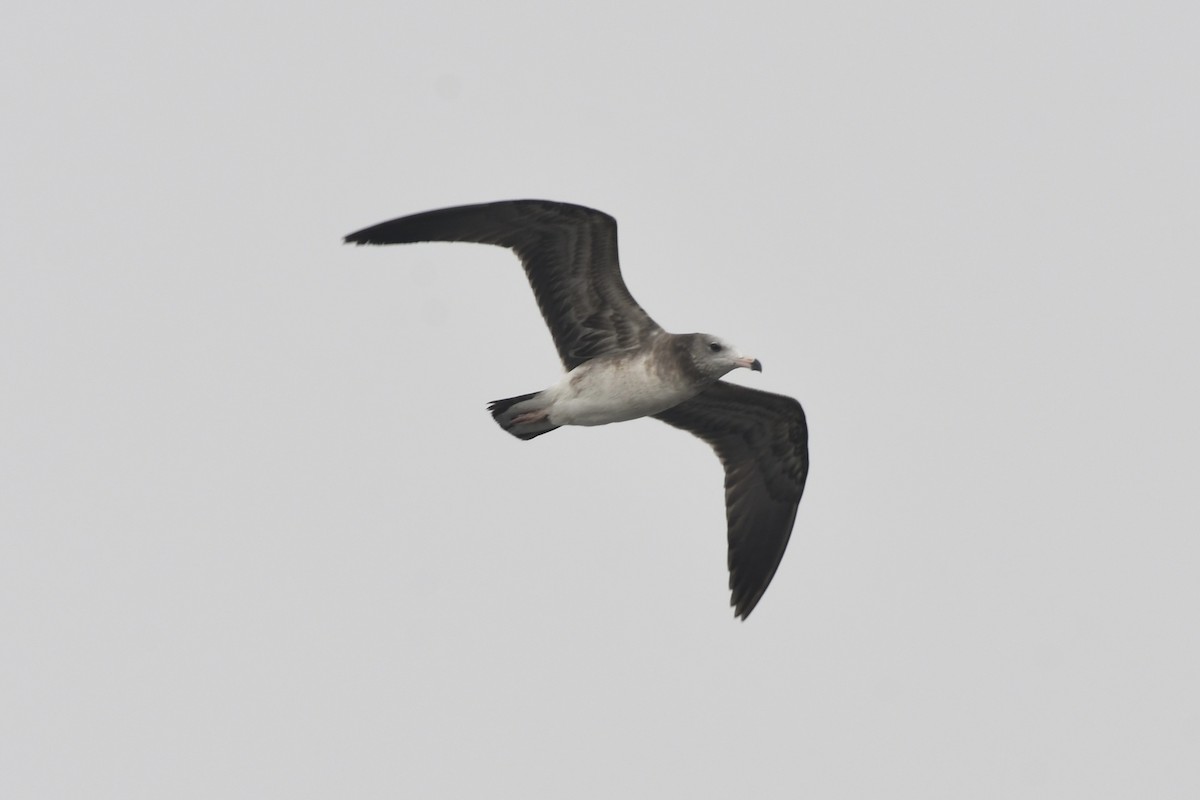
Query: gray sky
x,y
260,537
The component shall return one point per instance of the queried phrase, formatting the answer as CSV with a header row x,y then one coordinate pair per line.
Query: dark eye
x,y
715,347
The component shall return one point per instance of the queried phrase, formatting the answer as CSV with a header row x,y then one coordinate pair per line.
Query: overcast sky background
x,y
260,537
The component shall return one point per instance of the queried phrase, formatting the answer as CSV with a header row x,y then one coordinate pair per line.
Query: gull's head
x,y
715,357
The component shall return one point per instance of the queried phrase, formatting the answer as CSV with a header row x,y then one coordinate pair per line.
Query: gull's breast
x,y
615,390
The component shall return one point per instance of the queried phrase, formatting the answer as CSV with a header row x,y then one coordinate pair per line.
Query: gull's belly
x,y
598,393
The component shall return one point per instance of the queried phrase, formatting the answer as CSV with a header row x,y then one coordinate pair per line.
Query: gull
x,y
620,365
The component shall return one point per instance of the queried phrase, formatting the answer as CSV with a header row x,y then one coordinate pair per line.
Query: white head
x,y
714,357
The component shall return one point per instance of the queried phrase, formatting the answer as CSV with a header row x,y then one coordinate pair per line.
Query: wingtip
x,y
744,602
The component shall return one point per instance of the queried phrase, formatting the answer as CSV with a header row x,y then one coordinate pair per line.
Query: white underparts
x,y
613,390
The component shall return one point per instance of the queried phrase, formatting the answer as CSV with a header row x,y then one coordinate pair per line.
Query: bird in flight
x,y
621,365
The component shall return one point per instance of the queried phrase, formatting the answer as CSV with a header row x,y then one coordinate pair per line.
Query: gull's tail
x,y
523,416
